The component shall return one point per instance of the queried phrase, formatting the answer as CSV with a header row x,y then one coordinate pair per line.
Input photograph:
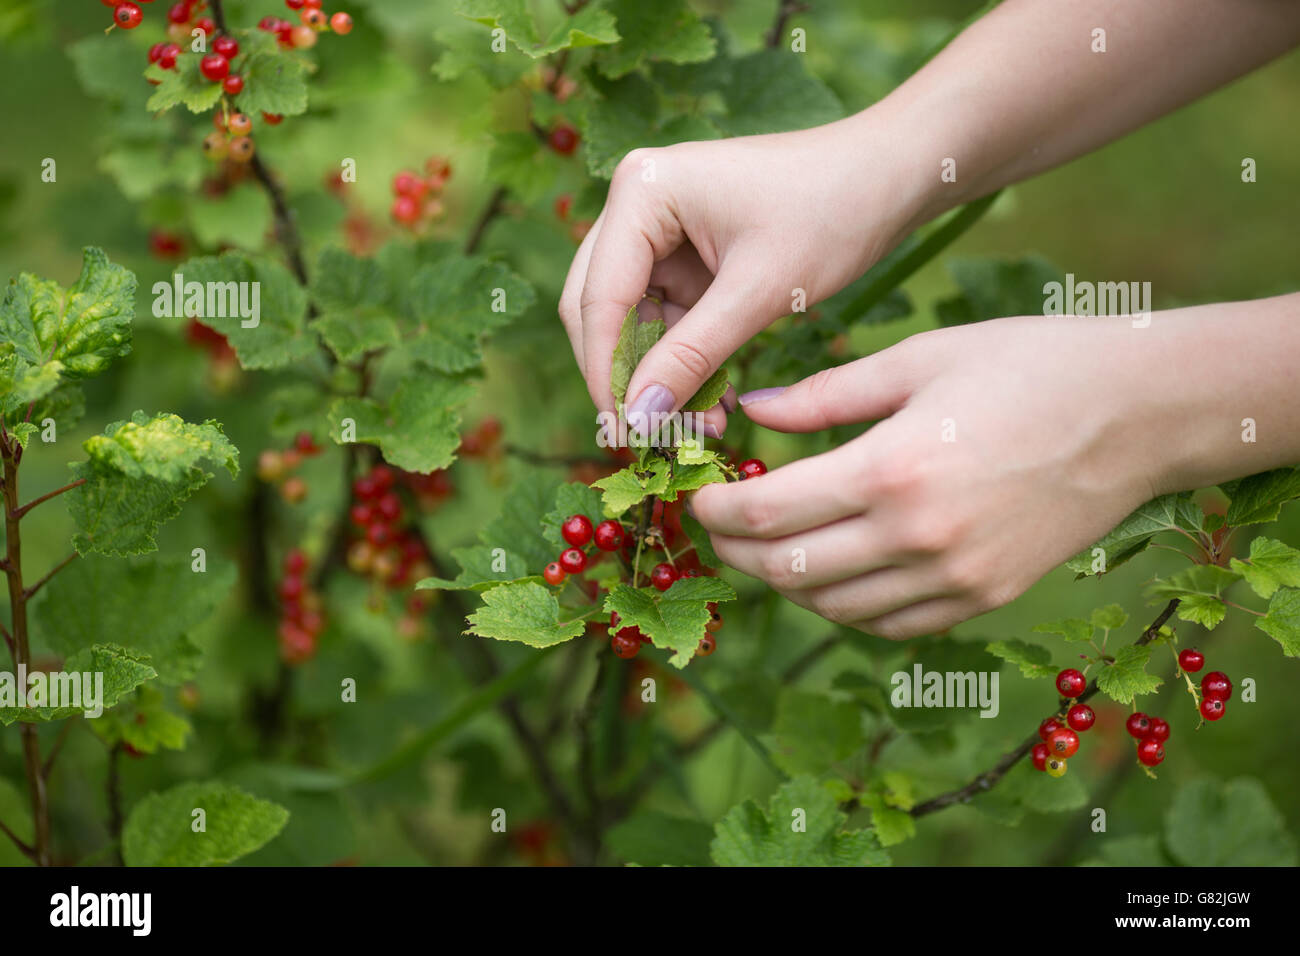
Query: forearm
x,y
1213,390
1021,90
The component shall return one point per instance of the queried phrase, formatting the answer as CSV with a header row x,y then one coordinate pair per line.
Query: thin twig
x,y
58,745
785,9
31,591
46,497
493,209
113,787
24,848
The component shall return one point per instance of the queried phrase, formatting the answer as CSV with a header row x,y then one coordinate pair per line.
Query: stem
x,y
58,746
113,788
989,778
491,211
785,9
26,850
31,591
22,657
36,501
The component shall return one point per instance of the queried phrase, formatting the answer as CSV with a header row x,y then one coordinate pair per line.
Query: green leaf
x,y
700,539
993,288
150,605
589,26
352,333
22,383
710,393
672,619
1026,789
628,113
84,327
274,82
635,340
1071,628
1033,660
454,303
518,527
122,673
1144,850
1110,617
519,162
104,69
184,85
1217,824
770,91
1271,565
478,570
684,478
343,281
812,732
1199,590
1282,622
1130,536
138,475
160,830
1258,499
418,428
144,169
1127,676
650,838
523,611
278,339
668,31
630,486
145,724
892,826
571,498
239,217
802,826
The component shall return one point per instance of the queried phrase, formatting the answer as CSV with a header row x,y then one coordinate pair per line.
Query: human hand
x,y
1005,448
723,233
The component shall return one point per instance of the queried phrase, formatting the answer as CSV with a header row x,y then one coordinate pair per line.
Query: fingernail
x,y
729,400
653,400
760,395
710,430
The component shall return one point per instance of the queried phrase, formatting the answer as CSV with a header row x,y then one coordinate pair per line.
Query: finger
x,y
693,349
871,597
682,276
870,388
571,297
924,617
809,559
802,495
631,238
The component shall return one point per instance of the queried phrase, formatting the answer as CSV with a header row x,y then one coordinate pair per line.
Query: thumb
x,y
692,349
866,390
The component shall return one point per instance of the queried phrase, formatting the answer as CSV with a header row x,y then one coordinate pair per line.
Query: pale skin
x,y
1062,425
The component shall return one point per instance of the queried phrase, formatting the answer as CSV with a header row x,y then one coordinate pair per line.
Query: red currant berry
x,y
624,646
1191,660
577,530
708,644
1216,686
312,4
378,534
366,488
155,52
314,17
573,560
554,574
751,468
206,24
215,67
233,84
609,535
242,149
295,562
663,576
226,46
1159,730
1056,766
389,507
1150,752
1071,682
563,205
405,210
1081,717
384,477
127,15
1039,756
361,515
291,588
179,13
1212,708
167,58
272,119
1047,726
1138,725
563,139
240,125
341,23
293,4
303,440
1063,742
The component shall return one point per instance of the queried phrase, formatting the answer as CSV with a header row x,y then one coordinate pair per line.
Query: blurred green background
x,y
1165,205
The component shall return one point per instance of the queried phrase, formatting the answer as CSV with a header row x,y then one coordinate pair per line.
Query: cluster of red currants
x,y
278,466
417,200
301,621
387,548
233,136
1150,734
311,21
1216,689
128,16
578,532
1061,738
481,441
224,364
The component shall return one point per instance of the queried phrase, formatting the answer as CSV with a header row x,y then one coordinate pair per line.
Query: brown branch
x,y
493,209
58,746
785,9
989,778
31,591
46,497
24,848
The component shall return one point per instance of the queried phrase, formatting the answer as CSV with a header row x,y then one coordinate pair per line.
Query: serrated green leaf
x,y
1127,677
122,673
1130,536
143,169
104,69
672,619
812,732
892,826
649,838
588,26
802,826
630,486
1109,618
144,723
1199,591
84,327
1071,628
571,498
684,478
1271,565
1026,789
710,393
635,340
343,281
523,611
701,541
278,339
150,605
418,428
628,113
1216,824
1258,499
240,217
1282,622
481,567
351,333
163,446
1033,660
160,830
183,85
669,31
274,82
454,303
518,527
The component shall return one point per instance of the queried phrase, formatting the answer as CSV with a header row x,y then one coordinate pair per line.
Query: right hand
x,y
723,233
